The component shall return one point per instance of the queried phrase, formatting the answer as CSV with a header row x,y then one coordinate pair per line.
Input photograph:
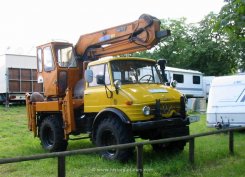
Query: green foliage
x,y
211,154
212,53
176,49
231,21
232,18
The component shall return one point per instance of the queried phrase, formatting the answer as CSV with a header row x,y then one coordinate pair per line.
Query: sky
x,y
24,24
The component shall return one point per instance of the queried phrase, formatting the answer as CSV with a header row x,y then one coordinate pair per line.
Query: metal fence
x,y
139,147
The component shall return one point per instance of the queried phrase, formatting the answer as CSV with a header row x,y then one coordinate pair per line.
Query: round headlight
x,y
146,110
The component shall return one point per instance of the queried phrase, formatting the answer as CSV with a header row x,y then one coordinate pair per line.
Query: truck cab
x,y
131,85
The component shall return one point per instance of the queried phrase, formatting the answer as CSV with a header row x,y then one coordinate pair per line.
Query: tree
x,y
212,53
231,20
176,48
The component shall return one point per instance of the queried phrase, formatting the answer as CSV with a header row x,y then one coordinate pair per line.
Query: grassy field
x,y
211,155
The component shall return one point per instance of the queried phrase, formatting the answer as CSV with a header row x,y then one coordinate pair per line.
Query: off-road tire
x,y
52,134
170,147
159,147
176,146
112,132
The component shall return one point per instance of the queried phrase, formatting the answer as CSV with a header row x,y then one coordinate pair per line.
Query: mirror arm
x,y
117,90
107,89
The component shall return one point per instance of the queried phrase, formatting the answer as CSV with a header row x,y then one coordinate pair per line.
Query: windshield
x,y
65,56
134,71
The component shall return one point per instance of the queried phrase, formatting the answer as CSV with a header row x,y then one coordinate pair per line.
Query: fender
x,y
102,114
121,115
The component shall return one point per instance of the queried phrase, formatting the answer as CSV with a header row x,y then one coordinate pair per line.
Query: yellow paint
x,y
95,98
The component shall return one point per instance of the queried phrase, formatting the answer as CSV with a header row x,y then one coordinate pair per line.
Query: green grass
x,y
211,155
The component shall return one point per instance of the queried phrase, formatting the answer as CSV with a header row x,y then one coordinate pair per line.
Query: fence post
x,y
191,150
140,160
61,166
231,142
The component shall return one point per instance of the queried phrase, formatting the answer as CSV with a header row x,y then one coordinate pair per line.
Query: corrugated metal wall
x,y
23,80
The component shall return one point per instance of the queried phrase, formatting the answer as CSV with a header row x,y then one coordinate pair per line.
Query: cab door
x,y
97,95
47,74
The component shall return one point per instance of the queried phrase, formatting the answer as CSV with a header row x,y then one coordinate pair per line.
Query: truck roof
x,y
55,42
108,59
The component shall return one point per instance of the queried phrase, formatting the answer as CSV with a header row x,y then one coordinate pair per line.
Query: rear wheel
x,y
52,134
112,132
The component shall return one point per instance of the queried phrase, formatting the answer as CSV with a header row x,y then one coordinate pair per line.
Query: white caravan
x,y
189,82
226,102
206,85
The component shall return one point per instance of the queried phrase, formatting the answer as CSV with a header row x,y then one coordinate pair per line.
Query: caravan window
x,y
196,80
179,78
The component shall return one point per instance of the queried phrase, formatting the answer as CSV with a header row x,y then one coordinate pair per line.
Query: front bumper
x,y
162,123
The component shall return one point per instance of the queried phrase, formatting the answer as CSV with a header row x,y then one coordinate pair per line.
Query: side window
x,y
107,76
179,78
65,56
101,72
48,59
39,60
196,80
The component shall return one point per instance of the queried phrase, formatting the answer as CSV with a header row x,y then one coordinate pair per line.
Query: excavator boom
x,y
139,35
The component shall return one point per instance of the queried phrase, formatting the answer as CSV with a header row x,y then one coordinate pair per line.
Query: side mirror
x,y
100,79
89,75
162,63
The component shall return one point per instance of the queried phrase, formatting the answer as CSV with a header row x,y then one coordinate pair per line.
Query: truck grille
x,y
163,109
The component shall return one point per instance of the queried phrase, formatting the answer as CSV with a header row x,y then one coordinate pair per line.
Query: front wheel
x,y
176,146
170,147
52,134
112,132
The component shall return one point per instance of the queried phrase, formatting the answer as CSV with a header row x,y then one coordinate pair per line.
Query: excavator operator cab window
x,y
39,60
65,56
48,59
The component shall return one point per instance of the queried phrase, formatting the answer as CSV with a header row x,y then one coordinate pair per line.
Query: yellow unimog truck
x,y
113,100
